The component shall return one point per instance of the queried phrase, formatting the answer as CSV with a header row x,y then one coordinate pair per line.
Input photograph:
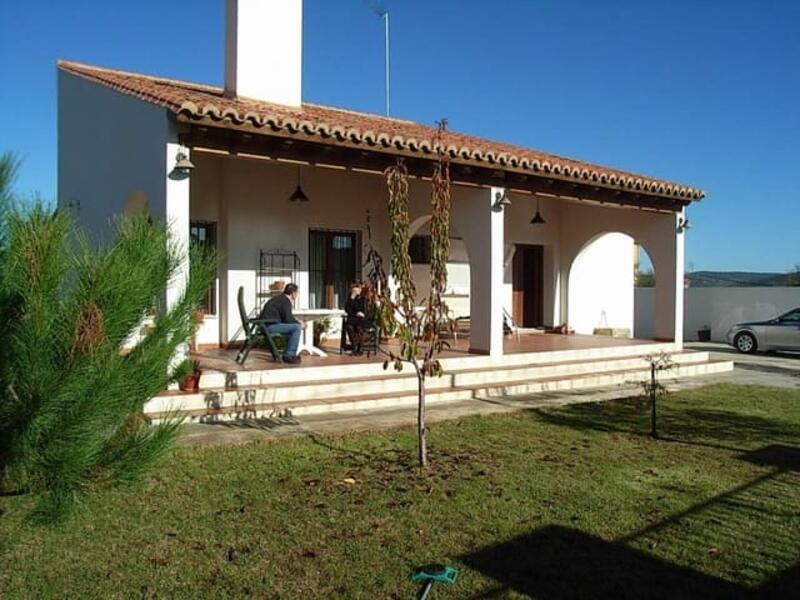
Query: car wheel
x,y
745,342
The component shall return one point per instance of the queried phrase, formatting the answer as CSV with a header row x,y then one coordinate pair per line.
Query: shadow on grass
x,y
785,585
774,369
557,562
260,423
562,562
780,456
709,427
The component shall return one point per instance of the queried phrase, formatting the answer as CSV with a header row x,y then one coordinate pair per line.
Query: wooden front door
x,y
528,286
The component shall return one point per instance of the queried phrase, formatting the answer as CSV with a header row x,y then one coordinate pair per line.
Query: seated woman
x,y
356,323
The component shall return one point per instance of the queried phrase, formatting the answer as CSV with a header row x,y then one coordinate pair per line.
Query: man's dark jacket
x,y
278,310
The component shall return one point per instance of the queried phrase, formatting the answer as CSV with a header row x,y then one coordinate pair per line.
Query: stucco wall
x,y
720,307
518,230
248,199
115,155
656,232
111,153
601,285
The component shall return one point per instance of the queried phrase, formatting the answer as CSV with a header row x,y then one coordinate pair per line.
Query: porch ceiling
x,y
238,141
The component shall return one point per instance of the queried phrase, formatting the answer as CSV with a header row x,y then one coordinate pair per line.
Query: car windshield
x,y
792,316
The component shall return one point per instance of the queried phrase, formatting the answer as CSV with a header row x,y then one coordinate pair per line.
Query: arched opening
x,y
457,294
602,297
644,294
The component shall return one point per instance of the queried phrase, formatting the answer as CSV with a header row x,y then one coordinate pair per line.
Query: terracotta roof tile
x,y
198,101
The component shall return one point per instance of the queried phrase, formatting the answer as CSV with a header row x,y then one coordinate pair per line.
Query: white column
x,y
669,282
680,239
482,228
227,303
177,217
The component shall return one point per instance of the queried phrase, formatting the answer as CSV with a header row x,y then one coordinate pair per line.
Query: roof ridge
x,y
71,65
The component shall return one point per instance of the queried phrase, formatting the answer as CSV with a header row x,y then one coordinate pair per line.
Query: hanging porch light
x,y
299,195
537,218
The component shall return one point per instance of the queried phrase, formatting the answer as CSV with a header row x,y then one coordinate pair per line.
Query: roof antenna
x,y
382,13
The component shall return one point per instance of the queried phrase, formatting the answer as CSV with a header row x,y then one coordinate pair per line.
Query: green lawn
x,y
569,502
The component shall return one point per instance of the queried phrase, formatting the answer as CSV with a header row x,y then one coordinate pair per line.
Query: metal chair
x,y
508,324
371,342
254,331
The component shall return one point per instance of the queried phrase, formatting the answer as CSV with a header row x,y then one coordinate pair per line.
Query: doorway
x,y
334,262
528,285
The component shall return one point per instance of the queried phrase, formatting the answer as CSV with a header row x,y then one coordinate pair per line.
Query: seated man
x,y
277,313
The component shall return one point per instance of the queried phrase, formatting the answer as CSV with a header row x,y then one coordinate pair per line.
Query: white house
x,y
255,141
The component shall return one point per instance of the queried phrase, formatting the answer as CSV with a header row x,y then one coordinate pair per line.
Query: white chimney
x,y
264,50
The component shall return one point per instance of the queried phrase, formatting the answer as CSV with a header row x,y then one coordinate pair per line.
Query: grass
x,y
568,502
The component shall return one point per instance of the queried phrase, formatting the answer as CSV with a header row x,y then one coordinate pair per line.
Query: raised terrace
x,y
531,364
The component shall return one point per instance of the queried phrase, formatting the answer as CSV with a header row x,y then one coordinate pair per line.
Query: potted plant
x,y
188,376
321,327
704,334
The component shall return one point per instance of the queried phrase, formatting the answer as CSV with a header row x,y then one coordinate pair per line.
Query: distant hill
x,y
735,279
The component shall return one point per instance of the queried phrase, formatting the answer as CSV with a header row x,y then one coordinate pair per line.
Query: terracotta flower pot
x,y
191,383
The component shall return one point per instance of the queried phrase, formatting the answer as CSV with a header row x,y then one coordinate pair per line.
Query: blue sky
x,y
704,92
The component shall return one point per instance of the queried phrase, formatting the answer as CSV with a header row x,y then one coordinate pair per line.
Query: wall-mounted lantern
x,y
501,200
183,166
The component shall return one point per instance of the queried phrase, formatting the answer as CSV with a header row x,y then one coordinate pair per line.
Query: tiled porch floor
x,y
224,359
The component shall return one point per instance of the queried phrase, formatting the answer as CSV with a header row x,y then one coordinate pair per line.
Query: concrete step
x,y
250,404
213,379
391,382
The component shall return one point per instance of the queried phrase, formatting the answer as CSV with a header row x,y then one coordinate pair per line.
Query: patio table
x,y
309,315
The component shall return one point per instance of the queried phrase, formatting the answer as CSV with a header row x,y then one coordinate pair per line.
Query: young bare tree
x,y
418,328
376,287
652,388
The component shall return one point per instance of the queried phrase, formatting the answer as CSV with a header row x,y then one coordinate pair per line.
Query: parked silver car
x,y
780,333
